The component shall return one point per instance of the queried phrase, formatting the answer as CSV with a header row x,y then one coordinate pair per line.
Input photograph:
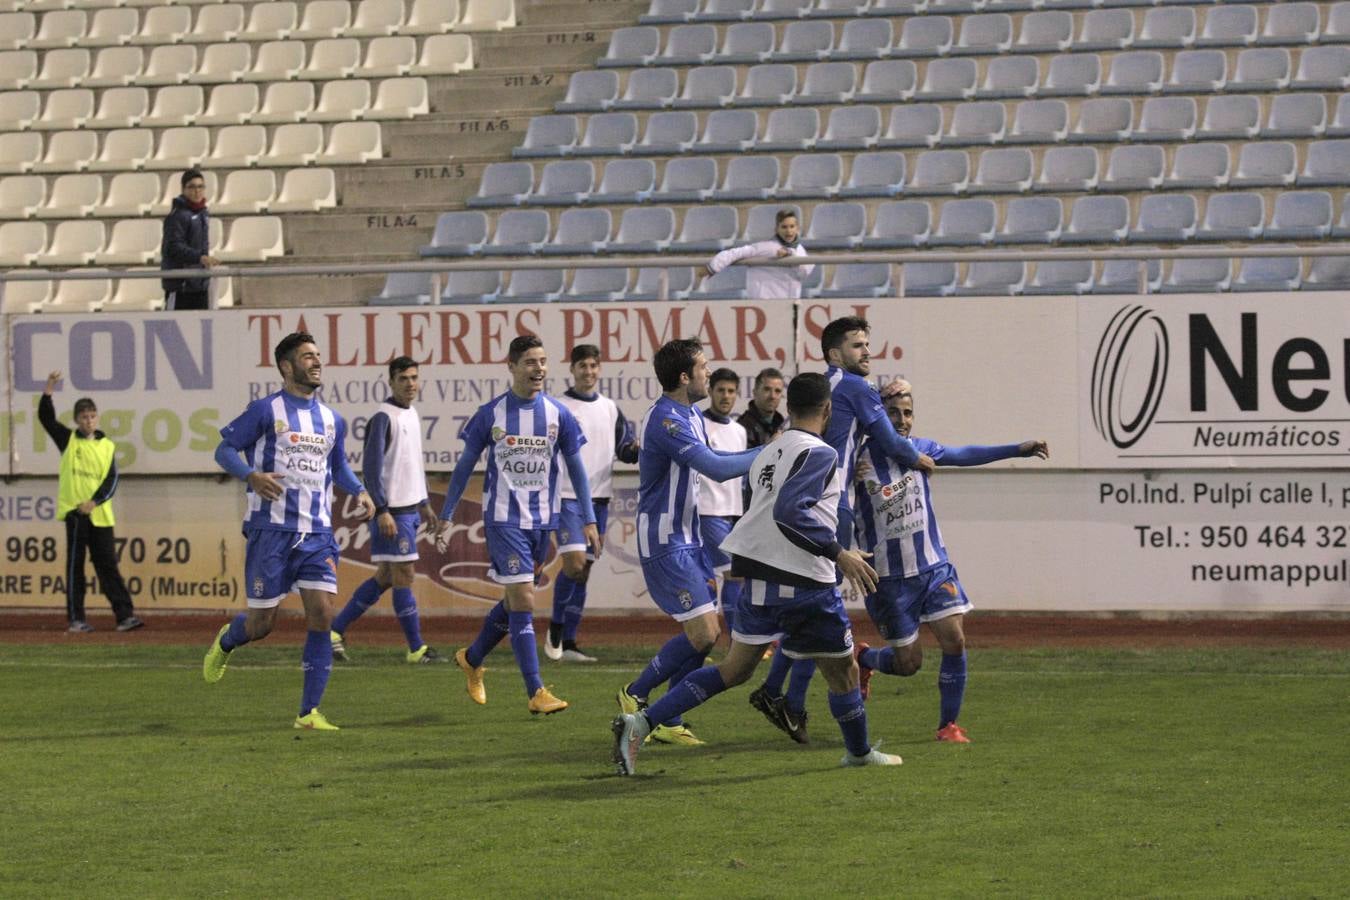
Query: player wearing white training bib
x,y
720,503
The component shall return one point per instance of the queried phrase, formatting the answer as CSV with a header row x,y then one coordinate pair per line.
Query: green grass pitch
x,y
1092,773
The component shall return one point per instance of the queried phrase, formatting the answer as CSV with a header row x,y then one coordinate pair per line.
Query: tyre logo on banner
x,y
1129,373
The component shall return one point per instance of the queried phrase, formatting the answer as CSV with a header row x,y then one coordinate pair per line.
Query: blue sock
x,y
692,664
664,664
693,689
731,595
527,654
494,629
562,596
879,660
572,615
802,670
405,607
317,661
236,636
848,711
366,596
778,670
951,687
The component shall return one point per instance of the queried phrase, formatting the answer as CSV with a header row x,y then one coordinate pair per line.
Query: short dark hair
x,y
522,345
189,175
286,348
585,351
401,364
786,212
807,393
721,375
85,403
833,336
764,374
676,358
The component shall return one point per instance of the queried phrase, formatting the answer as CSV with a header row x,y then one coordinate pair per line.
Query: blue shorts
x,y
402,547
804,621
714,530
514,553
570,537
278,562
900,604
679,583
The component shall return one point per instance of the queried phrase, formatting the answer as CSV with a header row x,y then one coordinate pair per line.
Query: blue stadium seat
x,y
782,9
1097,220
728,131
548,136
1199,166
880,174
1296,116
1265,164
589,91
1290,24
1231,117
1032,220
858,280
1340,122
1137,72
519,232
628,47
965,223
1342,227
827,83
1165,217
749,178
836,226
1105,29
1323,69
404,289
504,184
644,229
771,84
457,234
985,34
1134,167
851,128
1328,163
813,176
707,87
1046,31
805,41
1073,75
1269,273
669,12
864,39
1167,27
899,224
725,10
534,285
954,7
793,129
1261,69
1104,119
1228,26
877,7
1233,217
1061,276
1006,170
688,45
982,122
1167,119
1337,29
648,89
728,284
608,134
1300,215
1039,122
1010,76
1197,276
1068,169
565,182
1002,278
668,133
706,229
940,172
913,125
949,79
626,181
1197,72
680,280
690,179
888,81
929,279
924,36
1121,276
597,285
472,287
1328,273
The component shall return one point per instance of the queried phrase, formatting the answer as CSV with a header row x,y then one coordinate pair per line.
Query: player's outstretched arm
x,y
719,465
978,455
896,447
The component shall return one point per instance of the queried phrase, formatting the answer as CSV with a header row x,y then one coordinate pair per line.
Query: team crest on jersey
x,y
513,564
872,486
671,426
280,425
553,432
258,587
498,433
686,599
564,536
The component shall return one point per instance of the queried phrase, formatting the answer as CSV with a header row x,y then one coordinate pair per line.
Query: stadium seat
x,y
130,194
745,44
323,19
728,284
913,125
608,134
1296,116
238,146
1300,215
1197,71
1062,276
1097,220
1265,164
1105,29
706,229
21,243
688,45
646,89
760,224
1290,23
813,176
851,128
625,181
861,7
1322,69
342,101
22,196
405,289
270,21
460,234
19,109
1328,163
965,223
66,109
1324,273
1337,29
1121,276
793,129
1006,170
277,61
83,296
563,183
887,81
948,79
74,243
472,287
725,10
488,15
728,131
1199,166
864,39
647,286
940,172
133,242
111,27
168,64
72,197
668,133
222,63
23,297
880,174
1103,119
899,224
924,36
399,98
548,136
296,144
229,104
836,226
442,54
252,239
771,84
782,9
116,66
1165,217
580,232
175,106
1229,117
123,149
59,28
1048,31
215,23
306,190
1039,122
1342,227
377,17
64,68
1168,27
1076,75
1167,119
597,285
686,180
1268,273
1137,72
1228,26
286,102
858,280
1010,76
332,58
1196,276
985,34
17,30
69,151
352,142
977,123
19,152
929,279
1137,167
827,83
246,192
1002,278
590,91
1261,69
1031,220
1234,216
804,42
749,178
707,87
1340,122
644,230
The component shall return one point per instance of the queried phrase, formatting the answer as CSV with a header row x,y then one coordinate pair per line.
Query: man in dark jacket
x,y
762,420
187,245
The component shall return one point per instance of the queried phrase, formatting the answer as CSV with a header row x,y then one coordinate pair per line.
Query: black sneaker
x,y
768,705
130,623
794,723
553,643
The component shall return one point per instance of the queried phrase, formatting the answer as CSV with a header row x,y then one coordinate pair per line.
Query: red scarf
x,y
195,207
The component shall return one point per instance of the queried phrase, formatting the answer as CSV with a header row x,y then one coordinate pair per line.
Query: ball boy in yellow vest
x,y
88,480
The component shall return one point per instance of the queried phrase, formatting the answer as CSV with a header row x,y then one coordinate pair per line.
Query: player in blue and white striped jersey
x,y
674,454
897,523
856,413
523,431
391,462
293,456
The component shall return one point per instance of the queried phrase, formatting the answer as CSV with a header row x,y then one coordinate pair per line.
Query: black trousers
x,y
181,299
82,536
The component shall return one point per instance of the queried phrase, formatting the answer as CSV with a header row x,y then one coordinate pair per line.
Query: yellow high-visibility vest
x,y
84,464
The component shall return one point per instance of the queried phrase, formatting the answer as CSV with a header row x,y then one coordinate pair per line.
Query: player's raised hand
x,y
1034,448
925,464
854,566
267,485
593,538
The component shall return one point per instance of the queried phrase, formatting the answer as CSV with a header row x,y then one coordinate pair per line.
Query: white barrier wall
x,y
1198,442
